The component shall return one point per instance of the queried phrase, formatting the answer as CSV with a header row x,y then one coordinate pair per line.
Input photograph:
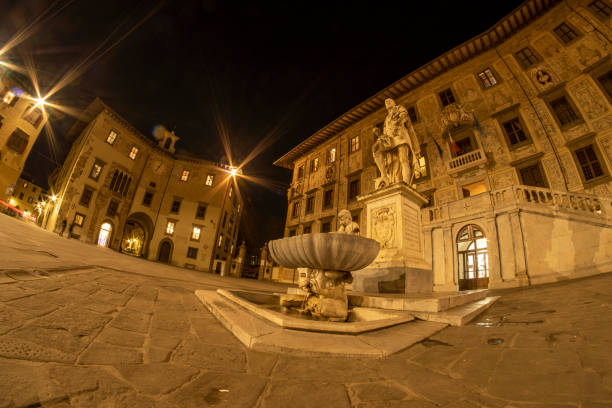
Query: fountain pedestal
x,y
394,220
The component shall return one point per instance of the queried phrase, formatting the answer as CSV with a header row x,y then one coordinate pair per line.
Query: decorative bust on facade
x,y
396,149
347,226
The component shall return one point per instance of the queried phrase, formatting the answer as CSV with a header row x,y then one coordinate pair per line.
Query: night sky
x,y
265,69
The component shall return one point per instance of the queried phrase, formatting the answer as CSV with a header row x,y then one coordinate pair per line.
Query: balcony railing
x,y
466,161
554,201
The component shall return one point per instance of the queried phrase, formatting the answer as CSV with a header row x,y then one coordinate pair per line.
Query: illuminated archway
x,y
105,234
472,258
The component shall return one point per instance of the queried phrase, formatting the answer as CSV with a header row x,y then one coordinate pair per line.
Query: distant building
x,y
21,121
516,130
29,197
124,191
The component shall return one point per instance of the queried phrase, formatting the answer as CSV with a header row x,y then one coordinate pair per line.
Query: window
x,y
420,170
310,204
355,218
176,206
79,219
201,211
533,176
462,143
30,199
209,180
86,196
513,130
292,232
33,115
21,196
565,33
487,78
314,165
192,252
195,233
307,229
220,241
526,57
300,173
34,189
226,246
605,81
589,162
326,226
111,211
331,155
120,183
133,153
412,114
25,185
328,198
152,184
564,112
148,198
354,144
18,141
231,191
185,175
601,9
354,189
447,97
9,98
170,227
224,220
296,209
111,138
96,169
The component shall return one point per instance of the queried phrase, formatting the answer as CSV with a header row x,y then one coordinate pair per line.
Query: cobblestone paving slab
x,y
105,338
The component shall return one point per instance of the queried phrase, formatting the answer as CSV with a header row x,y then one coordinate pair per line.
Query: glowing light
x,y
40,101
12,201
233,172
53,197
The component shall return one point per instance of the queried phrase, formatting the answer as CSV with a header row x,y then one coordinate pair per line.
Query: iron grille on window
x,y
447,97
565,33
564,111
526,57
600,8
589,163
514,131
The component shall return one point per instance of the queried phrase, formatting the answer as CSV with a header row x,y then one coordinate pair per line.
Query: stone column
x,y
495,278
519,248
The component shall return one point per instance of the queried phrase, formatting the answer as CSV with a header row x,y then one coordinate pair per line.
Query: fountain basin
x,y
326,251
360,319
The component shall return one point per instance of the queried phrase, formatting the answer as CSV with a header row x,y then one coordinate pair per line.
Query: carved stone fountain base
x,y
325,298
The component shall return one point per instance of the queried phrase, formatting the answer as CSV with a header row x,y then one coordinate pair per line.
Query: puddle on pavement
x,y
495,341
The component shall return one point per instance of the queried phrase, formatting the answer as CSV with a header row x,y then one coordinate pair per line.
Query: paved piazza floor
x,y
130,333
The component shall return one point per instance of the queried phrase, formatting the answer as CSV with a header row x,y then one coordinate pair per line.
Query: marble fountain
x,y
320,317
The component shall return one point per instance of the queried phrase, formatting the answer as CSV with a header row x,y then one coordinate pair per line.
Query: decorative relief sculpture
x,y
454,116
396,149
347,225
383,226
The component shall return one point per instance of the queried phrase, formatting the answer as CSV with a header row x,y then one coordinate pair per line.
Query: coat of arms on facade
x,y
454,116
383,226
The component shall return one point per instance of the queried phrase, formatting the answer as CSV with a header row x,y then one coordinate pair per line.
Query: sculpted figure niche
x,y
396,150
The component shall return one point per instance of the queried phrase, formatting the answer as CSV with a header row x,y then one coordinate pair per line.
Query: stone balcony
x,y
475,158
543,199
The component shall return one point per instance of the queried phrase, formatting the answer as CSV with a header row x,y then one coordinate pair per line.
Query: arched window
x,y
473,258
105,232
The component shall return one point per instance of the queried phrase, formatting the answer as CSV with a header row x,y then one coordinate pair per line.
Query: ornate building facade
x,y
21,120
515,134
120,189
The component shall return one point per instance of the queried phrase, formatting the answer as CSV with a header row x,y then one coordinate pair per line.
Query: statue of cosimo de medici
x,y
396,150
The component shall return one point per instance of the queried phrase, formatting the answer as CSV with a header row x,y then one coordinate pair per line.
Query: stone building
x,y
515,129
21,120
127,192
28,197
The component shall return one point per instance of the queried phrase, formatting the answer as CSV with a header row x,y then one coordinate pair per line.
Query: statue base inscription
x,y
394,220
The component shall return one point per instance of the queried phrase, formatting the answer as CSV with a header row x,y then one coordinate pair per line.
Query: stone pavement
x,y
136,336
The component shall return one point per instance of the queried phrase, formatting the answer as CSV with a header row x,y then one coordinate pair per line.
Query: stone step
x,y
430,302
261,335
460,315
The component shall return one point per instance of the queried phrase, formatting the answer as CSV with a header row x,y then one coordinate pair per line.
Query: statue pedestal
x,y
394,220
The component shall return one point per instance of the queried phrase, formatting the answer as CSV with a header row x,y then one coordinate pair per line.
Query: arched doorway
x,y
165,251
473,258
105,234
137,234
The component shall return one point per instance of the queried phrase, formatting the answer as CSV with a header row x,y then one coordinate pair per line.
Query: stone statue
x,y
347,225
396,150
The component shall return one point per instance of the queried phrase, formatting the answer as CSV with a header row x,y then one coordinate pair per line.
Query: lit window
x,y
487,78
354,144
209,180
230,192
8,97
195,234
220,242
112,136
133,153
96,170
185,175
331,155
79,219
420,171
170,227
25,185
314,165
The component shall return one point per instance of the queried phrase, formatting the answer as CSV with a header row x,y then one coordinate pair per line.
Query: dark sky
x,y
283,68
